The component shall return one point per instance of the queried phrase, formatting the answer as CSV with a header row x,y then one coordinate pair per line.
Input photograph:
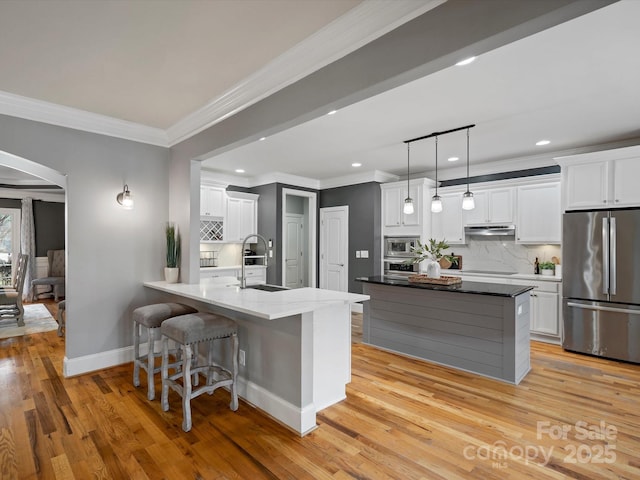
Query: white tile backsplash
x,y
494,254
228,253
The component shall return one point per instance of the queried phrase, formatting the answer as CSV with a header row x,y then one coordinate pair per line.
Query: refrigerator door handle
x,y
603,309
605,255
612,256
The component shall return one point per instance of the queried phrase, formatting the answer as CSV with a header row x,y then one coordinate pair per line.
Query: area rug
x,y
37,319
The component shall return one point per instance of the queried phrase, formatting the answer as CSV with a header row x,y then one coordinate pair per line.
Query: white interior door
x,y
294,251
334,248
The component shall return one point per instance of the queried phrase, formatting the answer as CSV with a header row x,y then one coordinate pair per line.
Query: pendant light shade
x,y
436,201
408,202
468,203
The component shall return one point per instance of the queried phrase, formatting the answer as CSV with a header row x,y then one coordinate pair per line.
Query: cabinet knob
x,y
604,201
617,200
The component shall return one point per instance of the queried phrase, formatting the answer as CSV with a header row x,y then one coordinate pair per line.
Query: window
x,y
9,242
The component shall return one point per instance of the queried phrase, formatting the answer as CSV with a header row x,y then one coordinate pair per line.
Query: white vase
x,y
433,269
547,272
171,274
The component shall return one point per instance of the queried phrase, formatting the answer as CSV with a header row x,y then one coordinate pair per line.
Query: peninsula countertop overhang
x,y
477,288
267,305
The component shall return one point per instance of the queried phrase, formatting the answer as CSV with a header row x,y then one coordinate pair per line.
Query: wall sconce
x,y
125,198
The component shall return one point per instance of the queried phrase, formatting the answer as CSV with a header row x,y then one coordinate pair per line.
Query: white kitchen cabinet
x,y
544,313
218,272
241,218
539,214
393,200
212,201
604,180
256,275
447,224
491,207
544,304
395,221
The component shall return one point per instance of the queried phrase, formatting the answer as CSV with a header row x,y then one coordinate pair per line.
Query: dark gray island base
x,y
478,327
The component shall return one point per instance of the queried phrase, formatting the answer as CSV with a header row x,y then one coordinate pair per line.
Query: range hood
x,y
491,230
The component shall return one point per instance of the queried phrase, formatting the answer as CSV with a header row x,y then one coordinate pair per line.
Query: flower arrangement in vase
x,y
432,251
172,270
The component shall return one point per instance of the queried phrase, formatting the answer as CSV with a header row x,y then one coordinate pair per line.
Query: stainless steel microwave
x,y
399,246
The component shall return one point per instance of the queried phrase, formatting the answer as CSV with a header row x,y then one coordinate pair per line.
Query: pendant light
x,y
468,203
436,201
408,202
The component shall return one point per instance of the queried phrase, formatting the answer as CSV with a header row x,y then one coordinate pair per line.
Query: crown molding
x,y
286,178
354,179
34,194
54,114
361,25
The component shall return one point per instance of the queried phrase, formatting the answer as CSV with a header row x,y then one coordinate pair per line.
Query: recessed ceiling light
x,y
239,170
543,142
262,139
332,112
356,164
453,159
466,61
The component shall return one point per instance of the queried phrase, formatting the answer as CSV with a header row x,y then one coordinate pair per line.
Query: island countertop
x,y
267,305
477,288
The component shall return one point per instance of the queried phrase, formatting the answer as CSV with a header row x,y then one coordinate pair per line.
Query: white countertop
x,y
524,276
268,305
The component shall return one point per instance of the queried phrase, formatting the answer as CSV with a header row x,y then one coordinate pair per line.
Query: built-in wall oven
x,y
397,250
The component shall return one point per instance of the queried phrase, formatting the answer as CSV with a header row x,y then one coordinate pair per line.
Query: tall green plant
x,y
173,245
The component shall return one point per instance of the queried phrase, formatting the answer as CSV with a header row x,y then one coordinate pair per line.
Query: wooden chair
x,y
11,297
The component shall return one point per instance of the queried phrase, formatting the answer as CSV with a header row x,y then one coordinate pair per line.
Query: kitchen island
x,y
296,344
481,328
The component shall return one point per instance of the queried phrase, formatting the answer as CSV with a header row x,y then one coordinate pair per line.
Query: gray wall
x,y
364,202
110,251
48,218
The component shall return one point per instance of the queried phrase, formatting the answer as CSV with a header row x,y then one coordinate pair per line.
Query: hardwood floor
x,y
402,419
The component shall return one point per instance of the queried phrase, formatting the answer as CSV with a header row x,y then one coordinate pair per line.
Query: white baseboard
x,y
97,361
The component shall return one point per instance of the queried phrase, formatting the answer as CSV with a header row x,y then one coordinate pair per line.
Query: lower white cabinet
x,y
256,275
218,272
544,304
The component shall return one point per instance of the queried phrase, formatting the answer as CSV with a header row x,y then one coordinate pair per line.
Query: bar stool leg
x,y
234,374
164,399
186,389
151,362
136,354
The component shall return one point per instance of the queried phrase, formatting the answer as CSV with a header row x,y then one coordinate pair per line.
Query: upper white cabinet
x,y
448,223
605,179
539,214
395,221
492,207
241,218
212,201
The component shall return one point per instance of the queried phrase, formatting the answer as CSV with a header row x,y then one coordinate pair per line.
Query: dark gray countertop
x,y
477,288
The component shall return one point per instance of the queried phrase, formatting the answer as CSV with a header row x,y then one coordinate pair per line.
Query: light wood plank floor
x,y
403,419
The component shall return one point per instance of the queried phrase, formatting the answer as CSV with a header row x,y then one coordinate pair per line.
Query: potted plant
x,y
432,251
547,268
172,270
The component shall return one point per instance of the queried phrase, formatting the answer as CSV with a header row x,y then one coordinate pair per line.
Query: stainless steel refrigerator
x,y
601,283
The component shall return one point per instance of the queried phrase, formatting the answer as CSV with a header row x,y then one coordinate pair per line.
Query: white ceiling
x,y
575,84
155,62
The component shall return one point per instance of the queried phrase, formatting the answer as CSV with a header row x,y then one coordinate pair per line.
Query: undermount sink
x,y
267,288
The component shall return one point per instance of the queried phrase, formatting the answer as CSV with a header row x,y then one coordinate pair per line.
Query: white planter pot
x,y
171,274
546,272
